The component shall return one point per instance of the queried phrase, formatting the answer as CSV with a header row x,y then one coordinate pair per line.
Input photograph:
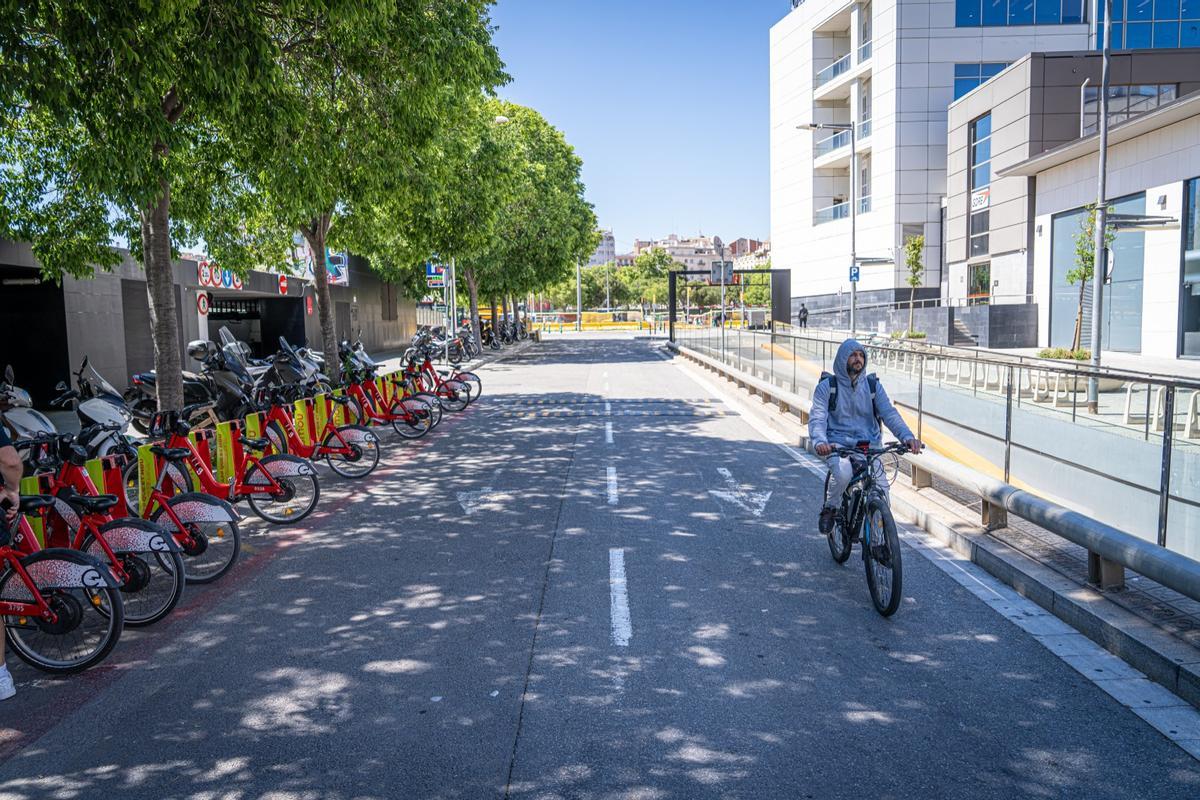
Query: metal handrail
x,y
831,143
839,67
1157,563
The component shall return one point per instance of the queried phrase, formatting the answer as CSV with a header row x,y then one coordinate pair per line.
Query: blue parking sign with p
x,y
854,274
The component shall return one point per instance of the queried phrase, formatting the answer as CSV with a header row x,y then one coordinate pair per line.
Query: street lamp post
x,y
578,298
849,127
1100,253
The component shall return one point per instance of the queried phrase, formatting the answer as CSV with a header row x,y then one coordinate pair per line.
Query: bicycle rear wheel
x,y
839,539
881,555
364,455
155,568
454,395
179,476
298,481
88,604
213,538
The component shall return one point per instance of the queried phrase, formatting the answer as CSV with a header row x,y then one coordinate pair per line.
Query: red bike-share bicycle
x,y
280,488
62,609
351,451
141,555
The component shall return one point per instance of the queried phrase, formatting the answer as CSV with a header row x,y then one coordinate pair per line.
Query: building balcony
x,y
840,211
834,70
833,81
833,152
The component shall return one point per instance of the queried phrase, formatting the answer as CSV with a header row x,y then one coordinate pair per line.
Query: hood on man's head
x,y
843,355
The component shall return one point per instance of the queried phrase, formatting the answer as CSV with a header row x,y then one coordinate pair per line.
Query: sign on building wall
x,y
209,274
980,199
337,265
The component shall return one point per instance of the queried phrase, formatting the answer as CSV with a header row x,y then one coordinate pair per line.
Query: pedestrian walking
x,y
802,316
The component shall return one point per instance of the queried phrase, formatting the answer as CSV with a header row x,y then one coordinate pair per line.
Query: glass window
x,y
1125,102
1166,34
1117,34
981,152
979,282
967,13
1072,11
1049,11
1190,9
1138,35
968,76
1166,9
995,12
1189,36
1020,12
1189,290
1139,10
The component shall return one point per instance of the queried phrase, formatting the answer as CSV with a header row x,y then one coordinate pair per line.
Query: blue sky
x,y
666,101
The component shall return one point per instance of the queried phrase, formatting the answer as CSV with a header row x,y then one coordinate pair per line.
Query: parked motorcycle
x,y
100,409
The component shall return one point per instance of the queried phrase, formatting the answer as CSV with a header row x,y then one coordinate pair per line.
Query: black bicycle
x,y
866,516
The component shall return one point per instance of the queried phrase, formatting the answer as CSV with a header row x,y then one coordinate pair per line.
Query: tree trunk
x,y
473,294
495,326
504,307
160,293
316,233
912,299
1079,319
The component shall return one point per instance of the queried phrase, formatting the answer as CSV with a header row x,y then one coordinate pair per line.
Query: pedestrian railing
x,y
1131,460
1109,545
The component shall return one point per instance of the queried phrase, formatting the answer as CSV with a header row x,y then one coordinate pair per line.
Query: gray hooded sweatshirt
x,y
853,420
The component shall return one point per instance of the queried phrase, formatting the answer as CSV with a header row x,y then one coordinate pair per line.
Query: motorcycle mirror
x,y
61,386
8,375
83,366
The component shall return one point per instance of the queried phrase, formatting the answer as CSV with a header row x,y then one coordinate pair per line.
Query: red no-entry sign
x,y
283,284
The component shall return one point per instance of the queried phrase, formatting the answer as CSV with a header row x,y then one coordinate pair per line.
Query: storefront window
x,y
1189,291
979,283
1122,328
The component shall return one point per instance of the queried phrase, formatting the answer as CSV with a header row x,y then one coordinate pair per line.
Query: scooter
x,y
100,409
19,418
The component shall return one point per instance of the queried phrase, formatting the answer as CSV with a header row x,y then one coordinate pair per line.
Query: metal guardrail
x,y
1106,542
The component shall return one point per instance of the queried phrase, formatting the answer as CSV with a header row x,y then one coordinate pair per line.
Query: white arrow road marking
x,y
753,502
472,501
607,408
608,433
612,486
622,625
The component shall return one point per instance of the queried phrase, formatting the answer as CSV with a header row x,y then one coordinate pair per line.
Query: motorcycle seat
x,y
254,444
169,453
87,504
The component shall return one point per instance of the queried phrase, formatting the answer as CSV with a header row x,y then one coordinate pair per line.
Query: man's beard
x,y
854,370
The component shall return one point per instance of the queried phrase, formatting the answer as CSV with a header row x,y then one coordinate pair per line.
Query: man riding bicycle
x,y
847,409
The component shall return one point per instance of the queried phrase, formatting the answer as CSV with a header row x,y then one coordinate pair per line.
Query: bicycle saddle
x,y
341,401
35,502
87,504
254,444
169,453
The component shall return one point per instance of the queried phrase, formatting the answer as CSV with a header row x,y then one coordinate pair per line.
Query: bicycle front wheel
x,y
90,615
210,540
454,395
411,417
364,451
881,555
299,489
155,575
840,542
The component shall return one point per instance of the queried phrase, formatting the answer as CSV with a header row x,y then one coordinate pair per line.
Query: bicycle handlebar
x,y
899,448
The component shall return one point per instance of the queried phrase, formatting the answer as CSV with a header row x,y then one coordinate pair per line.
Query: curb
x,y
1162,658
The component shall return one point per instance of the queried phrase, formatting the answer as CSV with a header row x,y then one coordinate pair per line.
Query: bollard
x,y
921,479
1104,573
992,516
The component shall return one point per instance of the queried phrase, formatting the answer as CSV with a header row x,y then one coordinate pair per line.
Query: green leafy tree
x,y
375,83
1085,264
757,288
544,226
112,114
645,282
914,262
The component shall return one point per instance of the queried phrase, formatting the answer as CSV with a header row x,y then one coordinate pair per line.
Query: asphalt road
x,y
565,592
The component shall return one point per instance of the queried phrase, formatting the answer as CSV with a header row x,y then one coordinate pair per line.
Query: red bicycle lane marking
x,y
87,687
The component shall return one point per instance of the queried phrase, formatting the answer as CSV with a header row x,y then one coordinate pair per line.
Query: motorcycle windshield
x,y
235,357
102,386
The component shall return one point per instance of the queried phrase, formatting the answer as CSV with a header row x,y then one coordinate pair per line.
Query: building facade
x,y
1152,303
890,68
606,251
106,317
693,252
996,233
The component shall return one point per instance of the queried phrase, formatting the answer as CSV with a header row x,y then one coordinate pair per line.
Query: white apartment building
x,y
693,252
890,67
606,251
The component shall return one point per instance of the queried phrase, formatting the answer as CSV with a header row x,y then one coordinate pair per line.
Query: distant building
x,y
739,248
694,252
626,259
606,251
756,258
